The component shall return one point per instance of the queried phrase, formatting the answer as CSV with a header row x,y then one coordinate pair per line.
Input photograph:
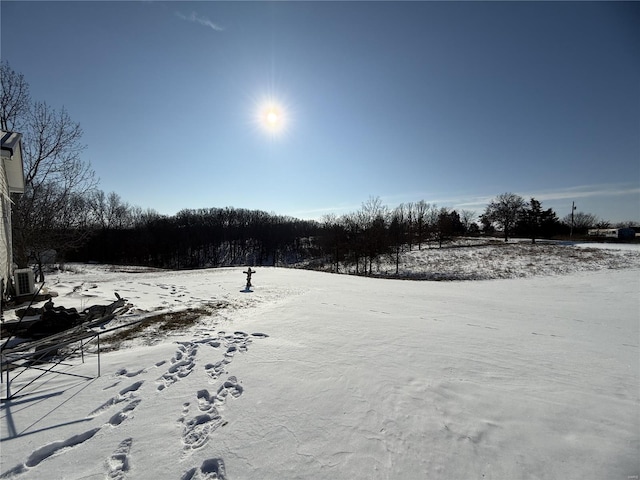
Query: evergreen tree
x,y
536,222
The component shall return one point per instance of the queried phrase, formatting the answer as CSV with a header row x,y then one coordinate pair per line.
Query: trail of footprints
x,y
196,428
127,395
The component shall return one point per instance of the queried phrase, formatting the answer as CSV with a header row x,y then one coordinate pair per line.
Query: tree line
x,y
194,238
356,240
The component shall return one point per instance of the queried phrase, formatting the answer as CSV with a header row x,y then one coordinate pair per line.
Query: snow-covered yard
x,y
314,375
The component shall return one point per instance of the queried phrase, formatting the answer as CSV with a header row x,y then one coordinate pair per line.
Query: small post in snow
x,y
573,208
248,272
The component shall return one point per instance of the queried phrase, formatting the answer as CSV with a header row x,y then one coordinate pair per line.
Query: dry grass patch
x,y
151,330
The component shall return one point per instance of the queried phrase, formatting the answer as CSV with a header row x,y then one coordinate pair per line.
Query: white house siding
x,y
11,181
5,227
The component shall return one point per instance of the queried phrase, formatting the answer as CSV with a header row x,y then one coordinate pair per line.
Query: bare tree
x,y
581,221
14,98
374,216
353,228
397,231
421,208
110,211
467,217
432,218
335,238
627,224
373,208
55,175
505,211
410,220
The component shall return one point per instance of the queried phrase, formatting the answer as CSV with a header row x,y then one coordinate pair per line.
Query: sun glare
x,y
272,117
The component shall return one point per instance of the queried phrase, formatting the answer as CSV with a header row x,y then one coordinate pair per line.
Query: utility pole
x,y
573,207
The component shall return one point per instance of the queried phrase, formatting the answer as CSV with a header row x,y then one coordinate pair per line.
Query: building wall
x,y
620,233
6,254
603,232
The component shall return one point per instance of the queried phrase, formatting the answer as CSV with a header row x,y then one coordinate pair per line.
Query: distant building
x,y
619,233
627,233
11,181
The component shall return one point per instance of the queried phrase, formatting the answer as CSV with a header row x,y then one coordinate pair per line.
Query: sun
x,y
272,117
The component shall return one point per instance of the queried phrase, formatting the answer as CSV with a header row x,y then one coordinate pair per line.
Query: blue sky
x,y
448,102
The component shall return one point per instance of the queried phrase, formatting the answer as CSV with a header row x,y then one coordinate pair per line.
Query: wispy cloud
x,y
590,196
611,190
202,20
592,192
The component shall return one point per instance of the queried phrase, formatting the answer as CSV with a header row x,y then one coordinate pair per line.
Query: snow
x,y
482,259
316,375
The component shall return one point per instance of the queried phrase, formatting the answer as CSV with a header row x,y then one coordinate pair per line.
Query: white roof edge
x,y
12,160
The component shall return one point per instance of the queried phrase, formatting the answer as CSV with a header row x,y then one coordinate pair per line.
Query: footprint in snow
x,y
214,370
42,453
205,402
123,414
122,396
124,373
182,363
230,387
233,343
118,463
196,430
210,469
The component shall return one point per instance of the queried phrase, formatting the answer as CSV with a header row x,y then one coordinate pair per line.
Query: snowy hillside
x,y
314,375
481,259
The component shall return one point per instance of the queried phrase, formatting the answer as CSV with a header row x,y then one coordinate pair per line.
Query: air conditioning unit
x,y
24,282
